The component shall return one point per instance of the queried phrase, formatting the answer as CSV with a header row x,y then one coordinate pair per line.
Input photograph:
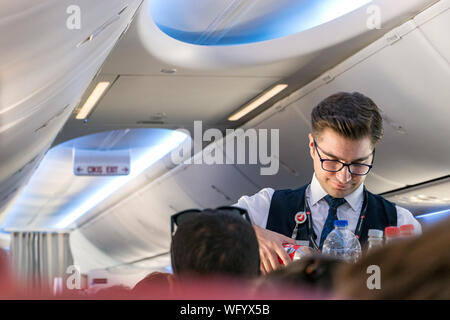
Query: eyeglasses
x,y
185,215
359,169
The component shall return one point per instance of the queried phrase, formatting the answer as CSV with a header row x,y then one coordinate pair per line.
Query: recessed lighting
x,y
93,99
257,102
442,214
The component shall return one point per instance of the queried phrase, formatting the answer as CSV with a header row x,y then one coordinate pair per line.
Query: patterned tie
x,y
333,203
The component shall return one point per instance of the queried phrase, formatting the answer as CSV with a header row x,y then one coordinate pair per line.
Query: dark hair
x,y
215,243
352,115
153,283
314,271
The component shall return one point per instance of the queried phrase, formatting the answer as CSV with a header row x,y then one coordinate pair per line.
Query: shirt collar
x,y
354,199
317,192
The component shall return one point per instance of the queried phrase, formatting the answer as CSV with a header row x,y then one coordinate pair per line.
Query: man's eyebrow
x,y
357,160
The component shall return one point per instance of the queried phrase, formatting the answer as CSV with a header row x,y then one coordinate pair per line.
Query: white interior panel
x,y
433,29
140,219
169,191
213,185
140,223
123,236
86,256
295,167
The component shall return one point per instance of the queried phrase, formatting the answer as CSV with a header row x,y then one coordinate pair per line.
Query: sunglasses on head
x,y
185,215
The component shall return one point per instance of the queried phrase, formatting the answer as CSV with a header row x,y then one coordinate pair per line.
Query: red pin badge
x,y
300,217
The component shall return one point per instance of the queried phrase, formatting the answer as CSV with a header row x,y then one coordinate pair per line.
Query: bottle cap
x,y
407,229
392,231
340,223
375,233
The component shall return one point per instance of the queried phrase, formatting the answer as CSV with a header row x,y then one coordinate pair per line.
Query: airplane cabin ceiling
x,y
233,22
200,89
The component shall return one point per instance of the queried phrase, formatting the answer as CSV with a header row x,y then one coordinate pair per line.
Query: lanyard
x,y
312,236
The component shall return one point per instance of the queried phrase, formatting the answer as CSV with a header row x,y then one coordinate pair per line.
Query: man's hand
x,y
270,248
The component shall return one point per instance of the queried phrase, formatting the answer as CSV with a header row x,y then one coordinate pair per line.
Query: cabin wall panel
x,y
34,105
433,30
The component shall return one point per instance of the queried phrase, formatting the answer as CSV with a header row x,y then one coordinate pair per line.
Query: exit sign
x,y
101,163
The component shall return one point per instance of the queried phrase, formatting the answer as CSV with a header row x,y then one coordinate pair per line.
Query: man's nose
x,y
344,175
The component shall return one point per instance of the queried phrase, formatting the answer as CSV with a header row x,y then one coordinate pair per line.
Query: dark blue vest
x,y
286,203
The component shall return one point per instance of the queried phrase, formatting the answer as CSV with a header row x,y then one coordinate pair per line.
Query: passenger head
x,y
315,271
154,285
416,268
345,127
215,242
113,292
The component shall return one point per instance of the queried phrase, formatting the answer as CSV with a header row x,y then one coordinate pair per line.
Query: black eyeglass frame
x,y
345,164
174,218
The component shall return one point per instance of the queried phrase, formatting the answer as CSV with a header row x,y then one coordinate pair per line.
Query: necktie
x,y
333,203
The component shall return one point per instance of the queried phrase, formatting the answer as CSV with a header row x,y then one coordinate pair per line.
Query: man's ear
x,y
311,145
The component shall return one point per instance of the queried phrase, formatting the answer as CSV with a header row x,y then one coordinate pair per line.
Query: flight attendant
x,y
345,129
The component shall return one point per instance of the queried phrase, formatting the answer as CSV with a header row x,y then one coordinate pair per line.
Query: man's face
x,y
333,146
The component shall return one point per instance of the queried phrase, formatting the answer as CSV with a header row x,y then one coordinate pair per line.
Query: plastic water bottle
x,y
375,239
342,243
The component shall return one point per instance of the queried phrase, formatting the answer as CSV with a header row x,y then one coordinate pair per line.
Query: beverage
x,y
342,243
406,230
375,239
392,234
295,251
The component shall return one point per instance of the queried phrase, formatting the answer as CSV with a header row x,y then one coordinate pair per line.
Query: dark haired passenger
x,y
312,272
155,285
217,247
215,242
345,130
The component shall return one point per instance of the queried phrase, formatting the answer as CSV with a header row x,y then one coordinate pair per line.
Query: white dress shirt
x,y
258,207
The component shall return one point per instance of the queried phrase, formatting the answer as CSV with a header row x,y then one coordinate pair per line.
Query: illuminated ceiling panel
x,y
55,198
233,22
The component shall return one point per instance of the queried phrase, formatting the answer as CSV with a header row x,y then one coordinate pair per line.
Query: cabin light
x,y
93,99
258,101
438,214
